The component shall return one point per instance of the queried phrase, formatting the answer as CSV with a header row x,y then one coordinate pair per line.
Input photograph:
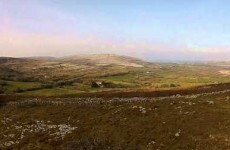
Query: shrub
x,y
19,90
1,90
57,84
28,79
47,85
94,84
88,144
106,85
113,85
164,85
63,83
172,85
3,83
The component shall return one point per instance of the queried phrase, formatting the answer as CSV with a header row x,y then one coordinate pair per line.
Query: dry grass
x,y
194,122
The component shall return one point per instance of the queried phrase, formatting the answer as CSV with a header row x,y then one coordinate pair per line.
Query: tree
x,y
94,84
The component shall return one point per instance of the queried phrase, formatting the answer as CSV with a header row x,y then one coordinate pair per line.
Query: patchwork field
x,y
102,102
74,75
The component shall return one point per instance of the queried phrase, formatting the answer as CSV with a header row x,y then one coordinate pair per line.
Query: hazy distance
x,y
153,30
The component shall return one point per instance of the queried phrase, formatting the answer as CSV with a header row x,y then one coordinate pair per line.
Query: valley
x,y
102,102
75,75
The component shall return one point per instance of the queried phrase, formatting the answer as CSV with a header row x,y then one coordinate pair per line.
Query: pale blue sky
x,y
185,29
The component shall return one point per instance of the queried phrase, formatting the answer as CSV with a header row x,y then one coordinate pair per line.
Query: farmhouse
x,y
97,84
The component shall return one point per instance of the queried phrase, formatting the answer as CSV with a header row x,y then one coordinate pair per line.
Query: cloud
x,y
18,43
39,27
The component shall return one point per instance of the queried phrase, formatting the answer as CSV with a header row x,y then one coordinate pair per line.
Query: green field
x,y
129,81
103,102
39,77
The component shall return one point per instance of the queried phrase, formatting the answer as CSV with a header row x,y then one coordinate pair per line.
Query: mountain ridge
x,y
105,59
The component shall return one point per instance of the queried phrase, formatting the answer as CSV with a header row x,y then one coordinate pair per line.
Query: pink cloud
x,y
17,43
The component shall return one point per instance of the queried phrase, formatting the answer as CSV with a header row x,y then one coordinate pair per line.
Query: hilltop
x,y
105,59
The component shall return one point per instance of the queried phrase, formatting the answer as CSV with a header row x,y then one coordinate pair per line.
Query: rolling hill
x,y
105,59
74,74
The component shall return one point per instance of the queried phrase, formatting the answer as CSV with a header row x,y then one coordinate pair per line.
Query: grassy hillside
x,y
102,102
189,122
52,76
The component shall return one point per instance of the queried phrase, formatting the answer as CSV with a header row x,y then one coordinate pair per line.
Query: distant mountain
x,y
41,58
6,59
81,67
105,59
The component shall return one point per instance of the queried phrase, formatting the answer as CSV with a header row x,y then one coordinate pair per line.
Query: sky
x,y
151,29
